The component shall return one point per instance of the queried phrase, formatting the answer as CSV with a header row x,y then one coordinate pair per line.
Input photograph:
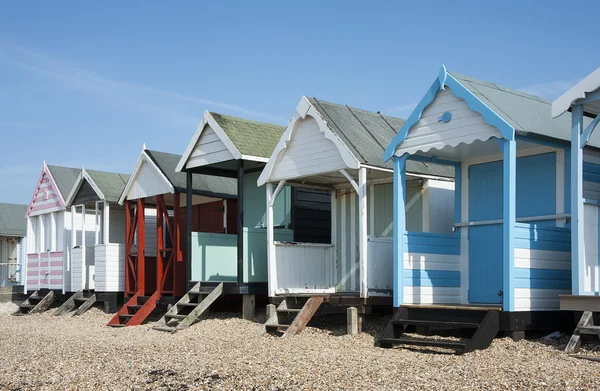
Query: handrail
x,y
302,244
565,216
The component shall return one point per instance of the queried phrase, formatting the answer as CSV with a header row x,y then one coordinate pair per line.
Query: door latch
x,y
500,293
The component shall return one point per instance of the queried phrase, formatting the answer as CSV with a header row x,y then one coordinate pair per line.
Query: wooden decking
x,y
579,303
467,307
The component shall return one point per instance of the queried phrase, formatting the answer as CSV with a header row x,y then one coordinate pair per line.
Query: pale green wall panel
x,y
214,257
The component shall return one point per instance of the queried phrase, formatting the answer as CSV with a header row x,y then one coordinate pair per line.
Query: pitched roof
x,y
111,184
530,115
251,138
367,134
65,178
12,219
204,184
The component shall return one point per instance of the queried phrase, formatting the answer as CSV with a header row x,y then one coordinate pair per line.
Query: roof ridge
x,y
339,129
240,119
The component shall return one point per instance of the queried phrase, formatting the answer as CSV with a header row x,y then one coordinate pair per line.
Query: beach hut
x,y
231,147
12,243
49,238
155,202
98,256
338,149
583,101
509,258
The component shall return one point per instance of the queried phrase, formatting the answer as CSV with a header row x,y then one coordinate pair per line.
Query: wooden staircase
x,y
77,304
299,310
135,311
39,301
189,308
480,324
584,327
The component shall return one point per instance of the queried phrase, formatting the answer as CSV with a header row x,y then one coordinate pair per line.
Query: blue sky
x,y
87,83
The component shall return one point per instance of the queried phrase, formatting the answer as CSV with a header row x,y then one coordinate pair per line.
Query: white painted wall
x,y
147,183
208,150
440,200
429,132
308,152
305,268
110,268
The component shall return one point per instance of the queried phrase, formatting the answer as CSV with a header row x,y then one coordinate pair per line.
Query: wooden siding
x,y
109,267
308,152
77,279
542,264
85,194
255,245
46,197
380,265
591,222
304,268
147,183
429,132
209,149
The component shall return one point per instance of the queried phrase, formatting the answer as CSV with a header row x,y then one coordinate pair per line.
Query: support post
x,y
188,226
177,255
248,307
106,223
83,251
141,262
97,224
128,245
271,261
577,227
509,149
399,227
352,321
362,235
240,223
160,222
73,228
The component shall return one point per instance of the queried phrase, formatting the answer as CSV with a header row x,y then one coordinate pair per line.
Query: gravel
x,y
42,352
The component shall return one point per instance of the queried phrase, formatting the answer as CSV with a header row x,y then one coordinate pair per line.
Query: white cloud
x,y
166,102
550,90
402,111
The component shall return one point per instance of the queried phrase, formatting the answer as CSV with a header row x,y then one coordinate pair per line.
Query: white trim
x,y
334,231
207,119
351,180
362,234
83,175
144,158
272,282
589,84
390,170
304,109
353,241
276,193
255,158
106,223
372,209
343,241
46,211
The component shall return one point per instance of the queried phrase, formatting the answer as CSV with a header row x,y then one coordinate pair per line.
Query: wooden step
x,y
437,343
289,310
589,330
416,322
175,316
165,328
118,325
195,312
147,305
277,326
81,299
